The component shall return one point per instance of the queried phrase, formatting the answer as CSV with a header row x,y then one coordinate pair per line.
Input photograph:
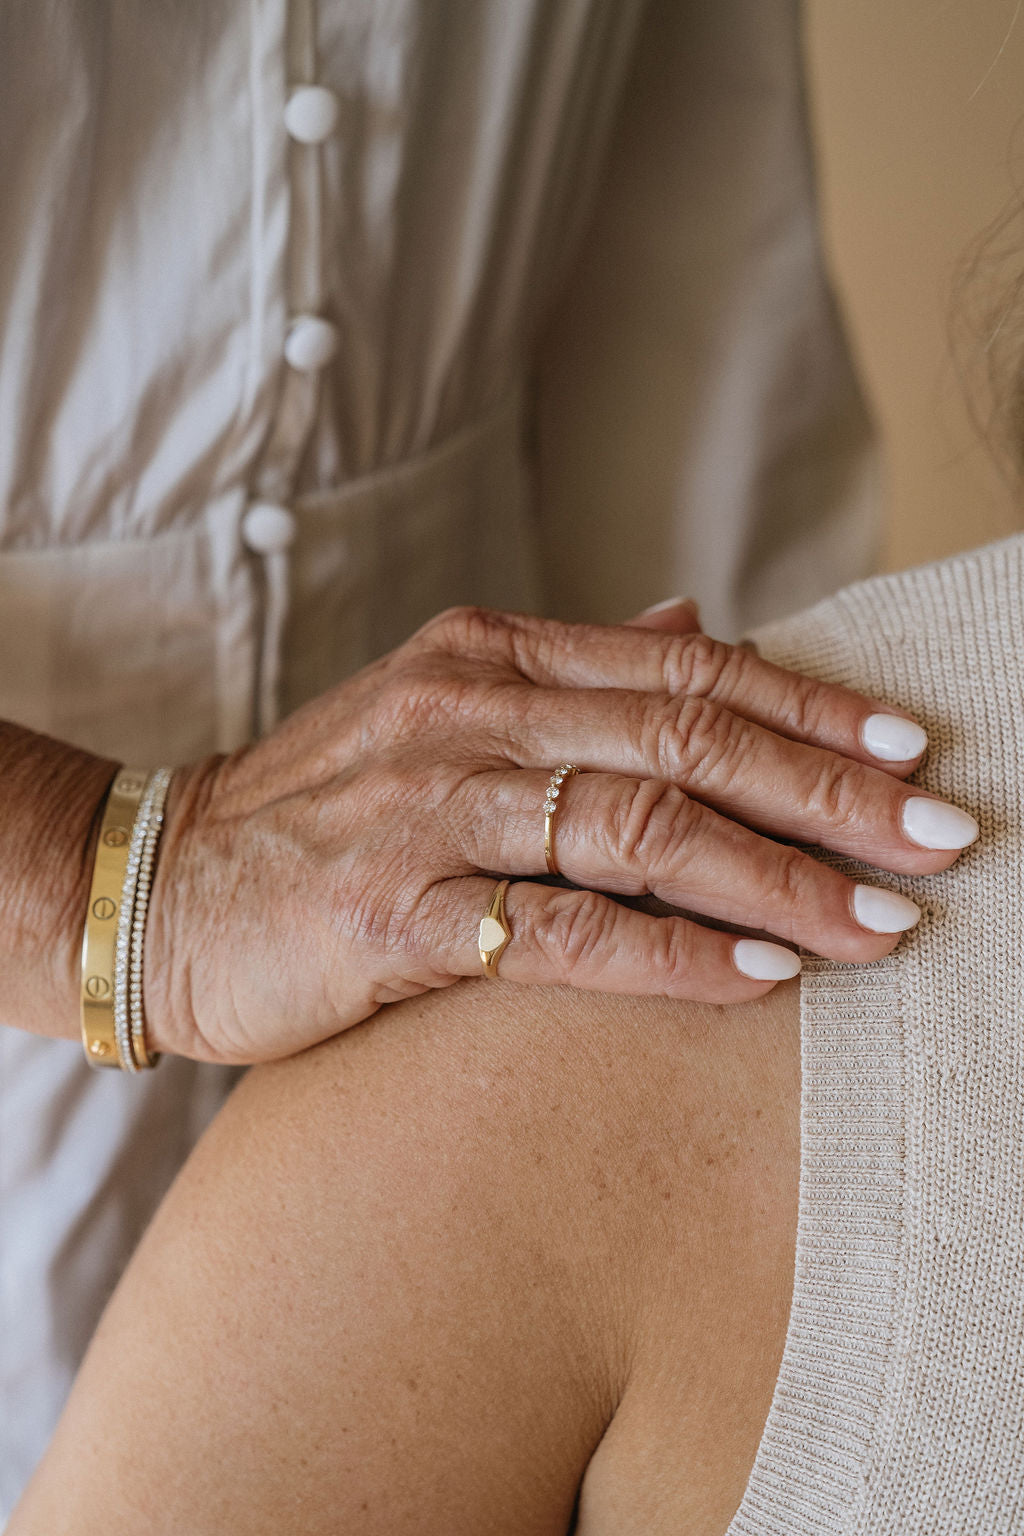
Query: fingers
x,y
801,708
675,616
583,939
636,835
687,665
785,788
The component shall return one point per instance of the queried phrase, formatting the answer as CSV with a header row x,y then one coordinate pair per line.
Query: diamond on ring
x,y
565,771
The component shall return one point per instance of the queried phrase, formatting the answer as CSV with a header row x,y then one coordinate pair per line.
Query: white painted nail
x,y
934,824
669,602
883,911
764,962
892,738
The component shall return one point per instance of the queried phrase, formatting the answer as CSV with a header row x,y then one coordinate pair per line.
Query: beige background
x,y
918,114
918,106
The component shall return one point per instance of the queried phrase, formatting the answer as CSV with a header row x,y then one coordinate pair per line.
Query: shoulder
x,y
408,1280
557,1213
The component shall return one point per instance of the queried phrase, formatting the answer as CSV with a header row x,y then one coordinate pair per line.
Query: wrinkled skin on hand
x,y
345,861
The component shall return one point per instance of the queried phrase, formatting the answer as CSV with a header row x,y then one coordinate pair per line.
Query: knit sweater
x,y
899,1405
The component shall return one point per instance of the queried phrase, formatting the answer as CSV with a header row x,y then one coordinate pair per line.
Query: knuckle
x,y
649,826
792,880
436,632
538,646
695,733
695,664
422,922
416,702
678,959
375,927
466,627
428,697
575,926
836,794
409,926
806,705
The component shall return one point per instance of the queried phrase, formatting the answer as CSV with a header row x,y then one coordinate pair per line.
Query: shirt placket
x,y
268,526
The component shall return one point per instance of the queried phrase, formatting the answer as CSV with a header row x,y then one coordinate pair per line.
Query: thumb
x,y
677,615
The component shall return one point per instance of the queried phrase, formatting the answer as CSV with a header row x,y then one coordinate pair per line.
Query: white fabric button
x,y
311,342
311,114
268,528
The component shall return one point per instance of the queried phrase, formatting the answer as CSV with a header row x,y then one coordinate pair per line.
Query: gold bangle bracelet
x,y
99,941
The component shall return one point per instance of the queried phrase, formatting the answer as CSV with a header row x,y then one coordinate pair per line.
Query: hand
x,y
346,860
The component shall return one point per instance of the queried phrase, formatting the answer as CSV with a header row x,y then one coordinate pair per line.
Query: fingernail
x,y
934,824
670,602
883,911
764,962
892,738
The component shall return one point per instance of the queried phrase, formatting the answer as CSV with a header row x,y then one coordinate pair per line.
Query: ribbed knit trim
x,y
899,1405
839,1345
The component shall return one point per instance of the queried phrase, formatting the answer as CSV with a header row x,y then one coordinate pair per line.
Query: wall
x,y
916,104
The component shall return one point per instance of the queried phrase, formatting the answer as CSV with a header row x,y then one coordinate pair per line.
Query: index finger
x,y
802,708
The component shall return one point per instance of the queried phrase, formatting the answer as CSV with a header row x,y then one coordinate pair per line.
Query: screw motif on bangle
x,y
113,1024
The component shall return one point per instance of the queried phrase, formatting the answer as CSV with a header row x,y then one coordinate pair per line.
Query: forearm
x,y
50,798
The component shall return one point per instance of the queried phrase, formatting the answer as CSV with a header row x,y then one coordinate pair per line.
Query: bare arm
x,y
49,805
411,1278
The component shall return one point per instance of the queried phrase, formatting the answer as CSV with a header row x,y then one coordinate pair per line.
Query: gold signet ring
x,y
494,930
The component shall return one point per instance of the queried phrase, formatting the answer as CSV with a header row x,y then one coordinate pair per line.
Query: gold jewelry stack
x,y
113,1018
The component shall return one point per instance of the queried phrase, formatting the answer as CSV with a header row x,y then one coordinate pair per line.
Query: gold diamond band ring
x,y
566,771
494,930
